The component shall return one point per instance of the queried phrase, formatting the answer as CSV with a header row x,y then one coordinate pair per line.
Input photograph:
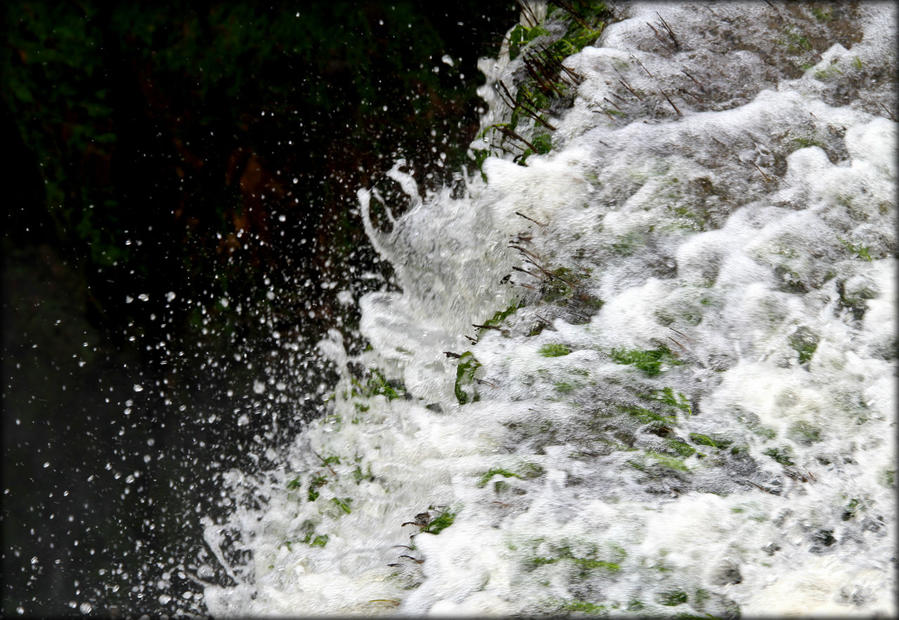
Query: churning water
x,y
684,399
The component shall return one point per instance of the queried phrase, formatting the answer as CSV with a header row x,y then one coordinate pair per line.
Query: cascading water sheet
x,y
682,395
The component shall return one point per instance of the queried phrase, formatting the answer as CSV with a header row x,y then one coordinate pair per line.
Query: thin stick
x,y
767,178
671,102
324,462
499,329
670,31
519,213
641,65
530,273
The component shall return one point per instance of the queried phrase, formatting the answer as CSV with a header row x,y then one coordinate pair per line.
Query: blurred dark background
x,y
180,229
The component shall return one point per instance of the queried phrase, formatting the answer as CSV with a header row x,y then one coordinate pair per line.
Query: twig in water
x,y
684,71
670,31
680,333
508,132
762,172
612,103
684,91
486,327
451,354
671,102
527,12
530,273
657,35
519,213
577,16
324,462
631,90
677,343
641,65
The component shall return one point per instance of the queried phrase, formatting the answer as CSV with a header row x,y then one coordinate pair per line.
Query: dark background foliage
x,y
180,216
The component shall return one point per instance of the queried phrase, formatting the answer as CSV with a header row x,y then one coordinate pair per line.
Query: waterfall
x,y
648,367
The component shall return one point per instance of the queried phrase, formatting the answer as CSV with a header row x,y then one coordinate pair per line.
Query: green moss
x,y
554,350
563,387
532,470
680,447
804,433
650,361
465,379
705,440
496,471
294,484
805,342
668,461
673,399
584,606
672,598
500,315
784,455
647,416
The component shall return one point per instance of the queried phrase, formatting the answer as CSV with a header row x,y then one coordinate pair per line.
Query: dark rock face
x,y
180,216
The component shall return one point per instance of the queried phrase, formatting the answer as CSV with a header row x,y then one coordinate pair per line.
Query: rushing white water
x,y
741,236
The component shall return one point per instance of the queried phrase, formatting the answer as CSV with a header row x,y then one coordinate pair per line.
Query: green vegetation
x,y
585,607
677,400
521,35
668,461
496,471
548,83
584,563
554,350
440,522
343,503
501,315
465,379
649,361
376,384
672,598
647,416
681,448
857,249
315,483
